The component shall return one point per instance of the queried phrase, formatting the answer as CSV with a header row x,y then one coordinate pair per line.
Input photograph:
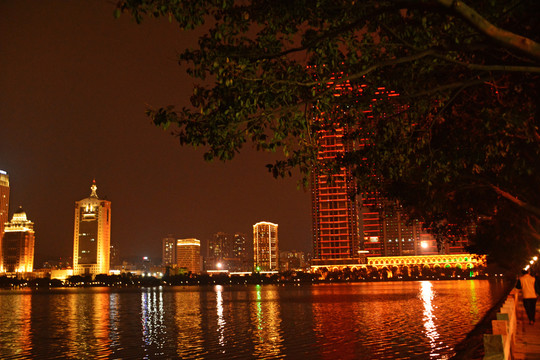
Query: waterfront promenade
x,y
527,336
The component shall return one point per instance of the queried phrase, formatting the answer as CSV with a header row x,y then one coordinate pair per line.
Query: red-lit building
x,y
349,228
335,209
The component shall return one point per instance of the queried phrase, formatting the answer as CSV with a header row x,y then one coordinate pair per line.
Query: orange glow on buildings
x,y
335,209
265,246
92,235
350,224
4,206
188,255
18,244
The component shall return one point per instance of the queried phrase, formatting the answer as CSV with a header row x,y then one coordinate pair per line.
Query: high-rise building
x,y
168,253
188,255
18,244
114,255
4,199
228,252
400,237
4,205
265,246
335,208
92,235
349,224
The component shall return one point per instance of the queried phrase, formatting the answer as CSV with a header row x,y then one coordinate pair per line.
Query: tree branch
x,y
504,37
533,209
482,67
453,85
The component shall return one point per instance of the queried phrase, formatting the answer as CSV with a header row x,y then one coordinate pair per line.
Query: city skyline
x,y
73,111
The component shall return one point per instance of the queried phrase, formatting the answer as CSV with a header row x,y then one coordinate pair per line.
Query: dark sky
x,y
74,85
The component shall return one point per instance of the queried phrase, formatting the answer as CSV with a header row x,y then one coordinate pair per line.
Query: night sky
x,y
74,86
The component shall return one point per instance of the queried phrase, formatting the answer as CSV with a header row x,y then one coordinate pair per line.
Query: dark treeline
x,y
289,277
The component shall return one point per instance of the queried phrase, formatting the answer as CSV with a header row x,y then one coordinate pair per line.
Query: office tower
x,y
92,235
228,252
168,250
18,244
265,246
4,206
188,255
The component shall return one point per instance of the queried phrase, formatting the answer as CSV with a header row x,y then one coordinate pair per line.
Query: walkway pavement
x,y
527,336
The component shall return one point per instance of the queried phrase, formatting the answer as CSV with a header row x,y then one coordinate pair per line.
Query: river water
x,y
383,320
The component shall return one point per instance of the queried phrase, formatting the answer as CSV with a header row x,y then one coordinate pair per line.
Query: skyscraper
x,y
92,235
188,255
168,253
18,244
265,246
349,223
4,206
335,209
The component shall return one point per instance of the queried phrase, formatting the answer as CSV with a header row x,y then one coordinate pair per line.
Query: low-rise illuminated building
x,y
461,261
188,255
265,246
18,244
92,235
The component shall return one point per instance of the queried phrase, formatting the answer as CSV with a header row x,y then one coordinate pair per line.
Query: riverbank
x,y
472,347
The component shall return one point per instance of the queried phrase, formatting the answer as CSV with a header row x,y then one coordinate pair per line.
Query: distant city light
x,y
535,258
424,244
219,265
145,258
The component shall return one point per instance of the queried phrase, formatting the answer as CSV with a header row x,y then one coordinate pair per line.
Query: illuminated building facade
x,y
92,235
335,208
265,246
4,199
18,244
188,255
228,252
4,206
347,229
168,253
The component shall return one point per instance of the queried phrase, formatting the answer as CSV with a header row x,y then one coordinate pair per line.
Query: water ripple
x,y
409,320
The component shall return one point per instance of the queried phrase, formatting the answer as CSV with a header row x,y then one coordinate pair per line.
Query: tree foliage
x,y
444,93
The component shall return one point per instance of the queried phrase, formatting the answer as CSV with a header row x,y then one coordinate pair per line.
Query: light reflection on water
x,y
266,319
398,320
427,295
